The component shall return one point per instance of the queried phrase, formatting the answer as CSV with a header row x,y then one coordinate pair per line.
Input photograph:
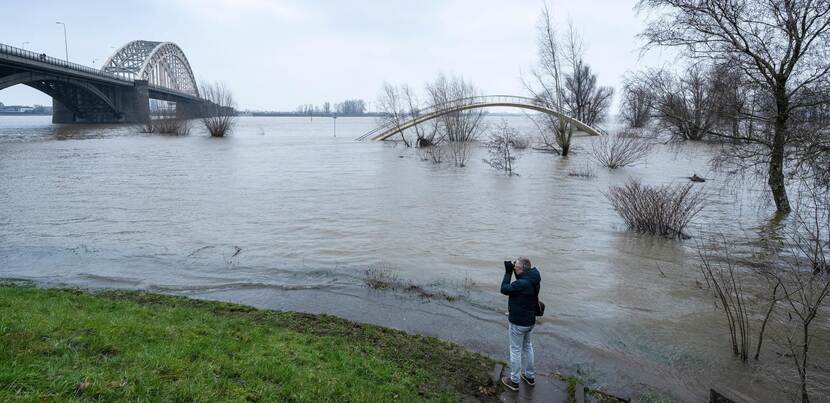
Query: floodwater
x,y
283,214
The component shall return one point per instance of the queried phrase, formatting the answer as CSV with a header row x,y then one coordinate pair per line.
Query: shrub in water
x,y
657,210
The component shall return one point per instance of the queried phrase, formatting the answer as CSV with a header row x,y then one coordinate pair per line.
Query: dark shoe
x,y
509,383
529,381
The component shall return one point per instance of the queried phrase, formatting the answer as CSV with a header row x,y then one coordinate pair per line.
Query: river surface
x,y
284,214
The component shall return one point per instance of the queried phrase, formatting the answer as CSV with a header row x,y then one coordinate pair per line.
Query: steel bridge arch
x,y
31,79
162,64
390,129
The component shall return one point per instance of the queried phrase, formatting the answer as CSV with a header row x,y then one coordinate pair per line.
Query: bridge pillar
x,y
132,106
135,103
61,114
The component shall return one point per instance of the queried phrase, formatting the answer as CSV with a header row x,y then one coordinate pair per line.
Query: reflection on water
x,y
107,206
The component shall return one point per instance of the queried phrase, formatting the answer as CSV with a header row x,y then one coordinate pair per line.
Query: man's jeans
x,y
520,344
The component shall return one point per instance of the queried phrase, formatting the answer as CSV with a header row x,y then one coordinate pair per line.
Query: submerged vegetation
x,y
657,210
781,288
127,346
218,114
166,121
384,277
502,147
617,151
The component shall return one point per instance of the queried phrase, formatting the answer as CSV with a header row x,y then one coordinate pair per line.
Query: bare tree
x,y
425,133
584,99
780,46
547,85
805,281
461,127
617,151
501,147
636,103
450,92
684,105
810,127
563,81
400,105
391,104
218,114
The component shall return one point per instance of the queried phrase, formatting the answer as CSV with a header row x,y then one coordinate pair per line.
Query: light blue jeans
x,y
520,344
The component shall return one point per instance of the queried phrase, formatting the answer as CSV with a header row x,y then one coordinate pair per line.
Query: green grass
x,y
70,345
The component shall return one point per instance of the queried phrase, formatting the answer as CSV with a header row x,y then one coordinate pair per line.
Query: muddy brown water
x,y
106,206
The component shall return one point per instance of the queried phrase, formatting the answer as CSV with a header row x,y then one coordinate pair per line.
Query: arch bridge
x,y
117,92
392,128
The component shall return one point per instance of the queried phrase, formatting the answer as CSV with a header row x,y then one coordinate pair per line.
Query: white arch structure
x,y
390,129
162,64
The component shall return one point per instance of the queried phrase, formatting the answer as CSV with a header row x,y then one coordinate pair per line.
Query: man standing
x,y
523,298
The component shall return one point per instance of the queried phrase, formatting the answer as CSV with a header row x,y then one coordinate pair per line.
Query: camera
x,y
508,265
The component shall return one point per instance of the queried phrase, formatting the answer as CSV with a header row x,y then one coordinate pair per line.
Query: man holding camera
x,y
523,307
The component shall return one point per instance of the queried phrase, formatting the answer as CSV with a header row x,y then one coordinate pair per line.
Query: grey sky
x,y
279,54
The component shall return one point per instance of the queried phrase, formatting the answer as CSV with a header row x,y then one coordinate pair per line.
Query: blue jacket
x,y
522,298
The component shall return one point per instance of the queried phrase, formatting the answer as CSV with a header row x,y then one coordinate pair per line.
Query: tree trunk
x,y
805,398
776,160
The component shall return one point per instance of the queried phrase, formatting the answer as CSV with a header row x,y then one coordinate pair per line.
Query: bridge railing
x,y
43,58
456,103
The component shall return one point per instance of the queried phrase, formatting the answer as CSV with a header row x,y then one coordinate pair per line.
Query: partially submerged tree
x,y
218,114
564,81
584,98
391,105
459,128
780,46
684,105
548,87
617,151
501,147
450,92
636,103
165,119
399,105
804,276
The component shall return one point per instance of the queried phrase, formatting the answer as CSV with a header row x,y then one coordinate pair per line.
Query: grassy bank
x,y
119,346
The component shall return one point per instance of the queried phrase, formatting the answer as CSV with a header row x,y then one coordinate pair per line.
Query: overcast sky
x,y
278,54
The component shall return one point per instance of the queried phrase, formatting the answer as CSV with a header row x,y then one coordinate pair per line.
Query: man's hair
x,y
524,263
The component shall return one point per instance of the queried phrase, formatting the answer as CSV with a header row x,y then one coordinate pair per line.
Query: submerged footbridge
x,y
117,92
392,128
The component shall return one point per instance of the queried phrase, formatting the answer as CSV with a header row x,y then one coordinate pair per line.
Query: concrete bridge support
x,y
127,105
189,110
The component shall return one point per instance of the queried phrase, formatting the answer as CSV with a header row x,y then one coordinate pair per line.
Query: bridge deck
x,y
39,62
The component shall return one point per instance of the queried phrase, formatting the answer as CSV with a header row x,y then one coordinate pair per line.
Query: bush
x,y
218,115
500,147
657,210
165,121
617,151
